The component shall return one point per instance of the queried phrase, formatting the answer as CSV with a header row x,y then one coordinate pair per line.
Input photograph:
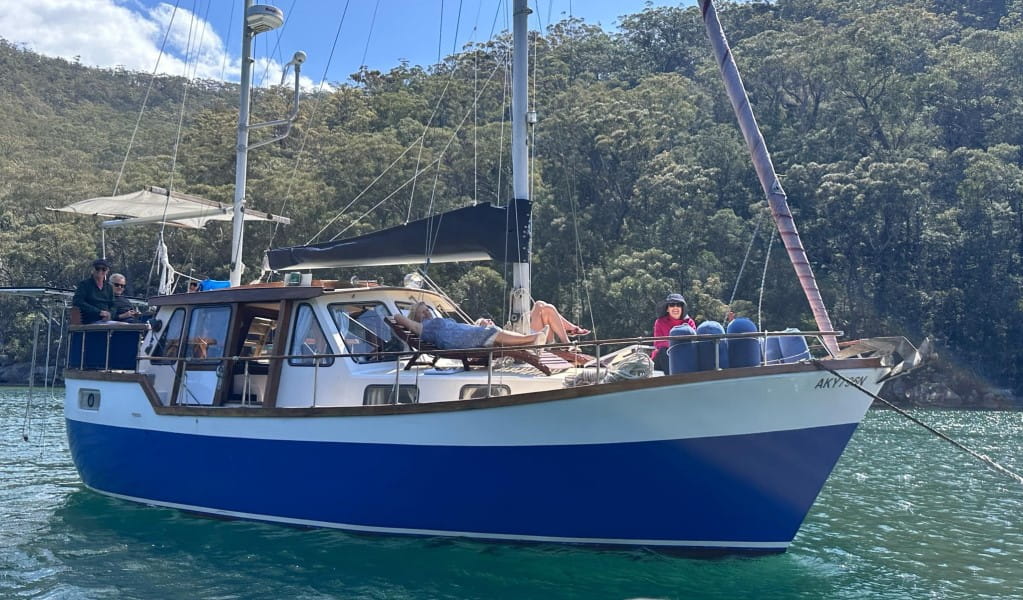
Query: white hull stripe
x,y
462,534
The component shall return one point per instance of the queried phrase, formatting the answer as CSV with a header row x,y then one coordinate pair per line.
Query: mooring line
x,y
981,457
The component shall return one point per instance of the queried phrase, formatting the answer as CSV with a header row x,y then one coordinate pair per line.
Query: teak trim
x,y
470,404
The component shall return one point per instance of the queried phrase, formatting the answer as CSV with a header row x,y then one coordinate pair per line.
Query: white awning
x,y
157,205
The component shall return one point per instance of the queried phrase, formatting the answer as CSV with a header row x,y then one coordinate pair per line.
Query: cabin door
x,y
162,352
203,370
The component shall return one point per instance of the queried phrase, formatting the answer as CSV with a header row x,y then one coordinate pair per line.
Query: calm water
x,y
905,515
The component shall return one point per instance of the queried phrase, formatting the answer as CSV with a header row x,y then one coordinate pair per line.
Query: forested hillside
x,y
896,127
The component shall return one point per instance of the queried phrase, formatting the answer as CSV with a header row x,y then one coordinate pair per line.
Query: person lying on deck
x,y
546,314
448,334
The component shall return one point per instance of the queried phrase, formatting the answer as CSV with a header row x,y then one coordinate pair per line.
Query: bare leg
x,y
511,338
544,313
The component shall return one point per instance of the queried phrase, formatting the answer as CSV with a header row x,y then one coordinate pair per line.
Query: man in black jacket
x,y
94,297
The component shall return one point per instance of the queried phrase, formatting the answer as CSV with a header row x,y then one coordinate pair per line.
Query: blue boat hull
x,y
743,492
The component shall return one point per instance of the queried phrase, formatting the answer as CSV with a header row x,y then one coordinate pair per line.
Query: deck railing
x,y
115,350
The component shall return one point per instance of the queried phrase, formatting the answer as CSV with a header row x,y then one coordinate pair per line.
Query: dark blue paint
x,y
738,488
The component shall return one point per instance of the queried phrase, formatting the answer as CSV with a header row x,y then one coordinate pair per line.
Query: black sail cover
x,y
481,232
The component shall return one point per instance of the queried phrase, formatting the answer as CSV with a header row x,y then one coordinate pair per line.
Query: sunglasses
x,y
117,284
101,268
676,304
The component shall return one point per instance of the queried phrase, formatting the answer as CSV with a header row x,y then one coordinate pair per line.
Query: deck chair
x,y
469,358
576,359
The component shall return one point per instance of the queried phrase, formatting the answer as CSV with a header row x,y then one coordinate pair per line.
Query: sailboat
x,y
298,404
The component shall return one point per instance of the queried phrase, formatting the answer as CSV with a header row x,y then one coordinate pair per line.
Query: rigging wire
x,y
763,282
440,37
987,460
227,42
412,179
181,111
372,23
422,138
475,95
145,100
573,201
408,181
278,34
742,266
181,121
431,237
437,176
475,110
416,173
458,23
363,192
580,265
500,138
312,116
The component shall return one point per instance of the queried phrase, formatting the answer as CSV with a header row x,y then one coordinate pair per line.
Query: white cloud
x,y
124,33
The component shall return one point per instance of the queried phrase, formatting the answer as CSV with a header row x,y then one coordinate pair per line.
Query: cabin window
x,y
170,340
469,392
405,307
365,332
207,331
308,339
384,394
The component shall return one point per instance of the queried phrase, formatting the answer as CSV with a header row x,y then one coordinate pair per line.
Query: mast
x,y
520,116
776,197
257,18
241,161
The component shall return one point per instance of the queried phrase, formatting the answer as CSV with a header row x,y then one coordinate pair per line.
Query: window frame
x,y
471,387
200,310
337,308
405,387
294,361
161,343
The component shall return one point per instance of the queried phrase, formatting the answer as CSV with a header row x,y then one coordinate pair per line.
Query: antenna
x,y
261,18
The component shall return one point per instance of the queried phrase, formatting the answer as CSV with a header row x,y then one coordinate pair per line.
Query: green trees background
x,y
896,126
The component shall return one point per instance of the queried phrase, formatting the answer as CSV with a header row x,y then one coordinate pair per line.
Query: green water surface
x,y
904,515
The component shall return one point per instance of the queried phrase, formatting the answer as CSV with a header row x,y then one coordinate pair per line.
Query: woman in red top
x,y
672,314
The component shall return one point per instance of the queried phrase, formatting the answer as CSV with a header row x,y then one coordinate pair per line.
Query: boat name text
x,y
837,382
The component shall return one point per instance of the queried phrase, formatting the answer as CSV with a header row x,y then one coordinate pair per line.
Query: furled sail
x,y
776,197
481,232
158,205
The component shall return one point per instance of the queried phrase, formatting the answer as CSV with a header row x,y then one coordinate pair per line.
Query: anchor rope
x,y
987,460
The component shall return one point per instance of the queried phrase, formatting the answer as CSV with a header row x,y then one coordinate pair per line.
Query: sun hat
x,y
662,307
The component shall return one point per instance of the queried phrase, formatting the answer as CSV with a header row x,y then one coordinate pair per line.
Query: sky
x,y
204,38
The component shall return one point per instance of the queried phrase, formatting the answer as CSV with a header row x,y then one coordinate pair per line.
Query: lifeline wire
x,y
981,457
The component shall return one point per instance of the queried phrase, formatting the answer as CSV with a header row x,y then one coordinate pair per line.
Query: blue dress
x,y
448,334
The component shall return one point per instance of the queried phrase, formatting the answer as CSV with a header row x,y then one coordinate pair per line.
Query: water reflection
x,y
903,516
